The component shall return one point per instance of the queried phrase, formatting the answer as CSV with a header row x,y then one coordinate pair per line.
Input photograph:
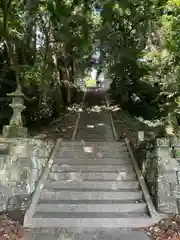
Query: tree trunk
x,y
32,7
69,100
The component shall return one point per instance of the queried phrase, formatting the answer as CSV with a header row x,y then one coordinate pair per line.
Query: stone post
x,y
140,136
176,158
166,202
15,127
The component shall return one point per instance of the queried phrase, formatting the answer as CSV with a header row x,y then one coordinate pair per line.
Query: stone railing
x,y
146,157
159,164
22,161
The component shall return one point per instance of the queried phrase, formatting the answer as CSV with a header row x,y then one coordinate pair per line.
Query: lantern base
x,y
14,131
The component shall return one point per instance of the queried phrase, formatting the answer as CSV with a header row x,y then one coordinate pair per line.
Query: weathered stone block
x,y
14,131
160,171
162,142
168,165
21,168
140,136
176,142
2,162
4,148
166,201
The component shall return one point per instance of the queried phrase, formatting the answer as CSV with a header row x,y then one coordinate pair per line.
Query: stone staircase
x,y
93,128
89,185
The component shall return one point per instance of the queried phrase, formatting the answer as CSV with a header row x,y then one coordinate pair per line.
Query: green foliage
x,y
49,43
139,44
52,42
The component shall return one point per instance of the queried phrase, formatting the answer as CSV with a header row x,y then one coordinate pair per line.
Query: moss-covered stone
x,y
14,131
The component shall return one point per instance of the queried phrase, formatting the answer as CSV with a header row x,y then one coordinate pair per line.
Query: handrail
x,y
151,208
35,196
152,211
78,119
112,122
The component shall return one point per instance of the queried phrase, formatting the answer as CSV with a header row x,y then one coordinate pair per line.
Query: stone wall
x,y
167,178
146,157
176,164
21,166
160,168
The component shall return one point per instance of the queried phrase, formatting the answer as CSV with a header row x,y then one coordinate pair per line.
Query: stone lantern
x,y
15,127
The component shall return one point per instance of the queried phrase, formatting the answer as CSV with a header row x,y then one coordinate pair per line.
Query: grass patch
x,y
90,82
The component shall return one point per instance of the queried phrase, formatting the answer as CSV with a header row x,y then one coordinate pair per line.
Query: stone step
x,y
102,201
49,206
90,220
94,117
112,185
89,194
93,149
94,125
96,138
121,175
92,160
102,144
88,153
92,131
91,168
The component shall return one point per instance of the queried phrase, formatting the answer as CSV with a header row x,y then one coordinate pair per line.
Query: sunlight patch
x,y
90,126
63,130
99,154
69,180
88,149
100,124
73,181
121,176
115,109
74,176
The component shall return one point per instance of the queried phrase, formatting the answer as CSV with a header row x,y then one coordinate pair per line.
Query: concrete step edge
x,y
93,184
85,201
90,168
131,175
98,190
120,208
94,161
91,195
139,222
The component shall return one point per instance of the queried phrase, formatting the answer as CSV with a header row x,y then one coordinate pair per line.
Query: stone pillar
x,y
140,136
167,177
176,157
